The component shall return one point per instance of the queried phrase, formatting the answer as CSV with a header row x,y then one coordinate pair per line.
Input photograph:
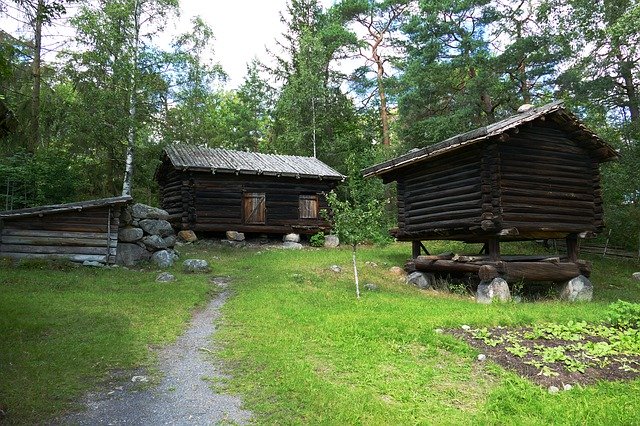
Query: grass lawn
x,y
65,331
303,350
300,346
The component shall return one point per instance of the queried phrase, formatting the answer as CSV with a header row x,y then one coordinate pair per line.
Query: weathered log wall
x,y
441,196
213,202
548,183
86,235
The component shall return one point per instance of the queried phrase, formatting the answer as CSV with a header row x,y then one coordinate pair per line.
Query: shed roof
x,y
60,208
559,113
192,157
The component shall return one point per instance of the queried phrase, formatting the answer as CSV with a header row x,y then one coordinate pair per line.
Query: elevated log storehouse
x,y
215,190
84,231
532,176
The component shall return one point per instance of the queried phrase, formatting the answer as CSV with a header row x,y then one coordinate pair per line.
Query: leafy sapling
x,y
356,223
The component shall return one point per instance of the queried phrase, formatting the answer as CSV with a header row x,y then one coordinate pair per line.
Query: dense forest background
x,y
426,70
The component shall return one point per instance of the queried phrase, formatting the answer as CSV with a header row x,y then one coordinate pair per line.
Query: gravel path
x,y
184,395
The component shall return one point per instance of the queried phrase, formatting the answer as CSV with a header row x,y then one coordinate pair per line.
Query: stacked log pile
x,y
510,268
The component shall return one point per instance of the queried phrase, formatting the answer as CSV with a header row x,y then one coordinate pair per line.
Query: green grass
x,y
65,331
301,348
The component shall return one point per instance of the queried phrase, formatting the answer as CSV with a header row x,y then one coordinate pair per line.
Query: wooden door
x,y
254,208
308,207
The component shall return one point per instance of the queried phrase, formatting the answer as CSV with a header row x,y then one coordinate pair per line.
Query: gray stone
x,y
567,387
130,254
195,266
130,234
141,379
125,215
553,389
465,327
331,241
371,264
142,211
371,287
175,254
636,276
292,238
421,280
163,259
154,242
291,245
578,289
156,227
93,264
187,236
439,331
482,357
170,241
165,277
235,236
496,289
336,269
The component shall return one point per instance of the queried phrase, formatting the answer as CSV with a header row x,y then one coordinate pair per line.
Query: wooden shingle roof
x,y
61,208
555,110
201,158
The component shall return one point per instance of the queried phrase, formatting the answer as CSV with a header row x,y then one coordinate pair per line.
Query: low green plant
x,y
317,240
518,350
623,314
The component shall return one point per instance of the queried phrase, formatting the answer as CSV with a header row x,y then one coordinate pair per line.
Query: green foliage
x,y
624,315
357,223
48,177
317,240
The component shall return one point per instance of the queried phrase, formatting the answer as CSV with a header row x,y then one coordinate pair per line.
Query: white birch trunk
x,y
355,272
131,136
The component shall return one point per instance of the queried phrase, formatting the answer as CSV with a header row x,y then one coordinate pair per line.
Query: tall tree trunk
x,y
626,71
384,114
37,74
131,136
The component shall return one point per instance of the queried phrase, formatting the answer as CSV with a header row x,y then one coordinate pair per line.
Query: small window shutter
x,y
309,207
254,208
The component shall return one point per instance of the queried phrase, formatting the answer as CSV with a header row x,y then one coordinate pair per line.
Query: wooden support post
x,y
417,248
493,249
572,247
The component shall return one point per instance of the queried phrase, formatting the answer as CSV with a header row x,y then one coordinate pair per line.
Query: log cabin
x,y
82,231
534,175
216,190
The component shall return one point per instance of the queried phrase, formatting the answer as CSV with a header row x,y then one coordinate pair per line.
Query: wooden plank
x,y
60,234
21,248
55,241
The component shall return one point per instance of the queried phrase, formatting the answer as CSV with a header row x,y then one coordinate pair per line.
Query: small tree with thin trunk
x,y
357,223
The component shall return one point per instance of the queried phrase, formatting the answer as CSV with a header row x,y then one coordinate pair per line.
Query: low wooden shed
x,y
215,189
83,231
534,175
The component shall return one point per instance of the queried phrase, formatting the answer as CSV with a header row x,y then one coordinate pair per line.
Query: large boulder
x,y
496,289
421,280
331,241
578,289
130,254
156,227
130,234
187,236
195,266
170,241
125,215
142,211
291,238
636,276
162,259
154,242
235,236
